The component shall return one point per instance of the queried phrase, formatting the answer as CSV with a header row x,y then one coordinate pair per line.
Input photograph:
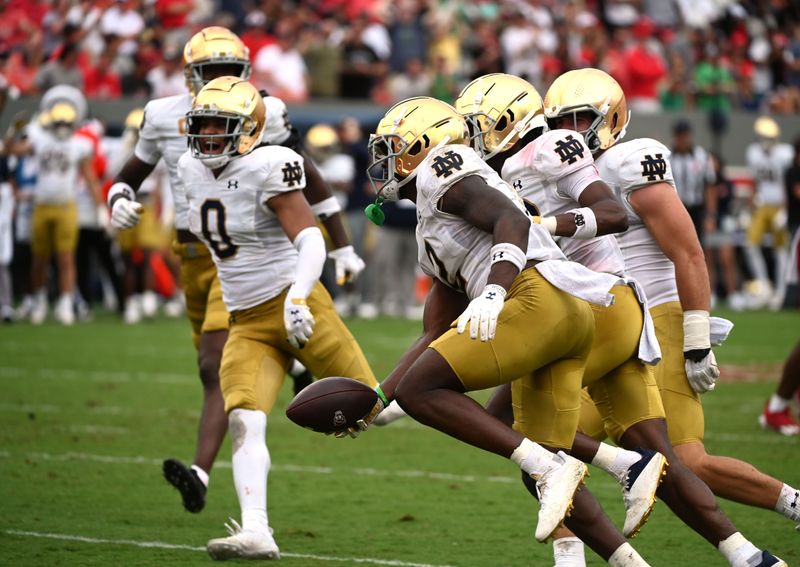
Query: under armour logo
x,y
794,502
569,149
444,165
292,173
653,167
579,220
233,184
491,294
497,256
518,184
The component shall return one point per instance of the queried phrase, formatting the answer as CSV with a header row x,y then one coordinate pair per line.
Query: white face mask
x,y
62,132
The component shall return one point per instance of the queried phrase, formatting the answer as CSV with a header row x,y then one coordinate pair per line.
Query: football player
x,y
61,157
506,282
768,159
210,53
663,254
554,173
246,205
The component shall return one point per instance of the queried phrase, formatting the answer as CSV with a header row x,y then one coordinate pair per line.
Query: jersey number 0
x,y
223,246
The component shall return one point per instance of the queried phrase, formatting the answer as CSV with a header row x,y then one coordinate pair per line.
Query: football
x,y
331,404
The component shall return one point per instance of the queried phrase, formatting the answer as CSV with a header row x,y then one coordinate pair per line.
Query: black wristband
x,y
697,354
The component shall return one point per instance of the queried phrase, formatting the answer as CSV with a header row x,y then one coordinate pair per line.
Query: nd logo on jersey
x,y
653,167
292,173
445,164
569,150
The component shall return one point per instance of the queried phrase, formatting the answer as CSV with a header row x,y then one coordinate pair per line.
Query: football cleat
x,y
779,421
556,488
243,544
64,312
639,489
390,413
769,560
38,312
149,304
188,484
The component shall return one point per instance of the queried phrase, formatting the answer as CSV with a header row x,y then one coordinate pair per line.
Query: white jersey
x,y
626,167
57,164
255,259
769,167
278,128
550,174
459,254
163,135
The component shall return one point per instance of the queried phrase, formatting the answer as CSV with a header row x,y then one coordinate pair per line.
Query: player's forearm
x,y
333,224
134,172
389,385
512,231
691,276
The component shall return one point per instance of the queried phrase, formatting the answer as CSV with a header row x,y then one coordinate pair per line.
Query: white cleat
x,y
557,487
38,312
133,311
390,413
65,313
639,489
243,544
149,304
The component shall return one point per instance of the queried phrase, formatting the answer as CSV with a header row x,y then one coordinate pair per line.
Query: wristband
x,y
120,190
550,223
507,252
326,208
585,223
381,395
696,330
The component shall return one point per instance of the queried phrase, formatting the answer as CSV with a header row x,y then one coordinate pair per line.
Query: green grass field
x,y
88,413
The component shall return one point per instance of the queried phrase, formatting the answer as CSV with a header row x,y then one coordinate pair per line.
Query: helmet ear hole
x,y
614,120
502,122
415,149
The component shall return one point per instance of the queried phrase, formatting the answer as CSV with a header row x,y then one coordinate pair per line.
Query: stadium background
x,y
89,412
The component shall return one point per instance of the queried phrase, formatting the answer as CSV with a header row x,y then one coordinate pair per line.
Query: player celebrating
x,y
662,252
210,53
477,242
246,205
554,173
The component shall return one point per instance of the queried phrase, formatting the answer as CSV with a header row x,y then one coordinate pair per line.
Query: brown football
x,y
331,404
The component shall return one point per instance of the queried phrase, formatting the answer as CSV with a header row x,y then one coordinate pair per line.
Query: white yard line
x,y
277,467
166,545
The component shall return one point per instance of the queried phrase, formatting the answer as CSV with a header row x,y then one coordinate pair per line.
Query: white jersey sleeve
x,y
283,172
562,157
278,127
442,168
645,162
147,148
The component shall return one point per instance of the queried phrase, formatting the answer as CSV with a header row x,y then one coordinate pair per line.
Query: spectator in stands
x,y
100,80
322,58
675,88
444,84
279,68
414,81
646,68
134,83
521,56
124,19
22,66
168,79
255,35
408,36
361,66
173,15
714,85
482,47
62,70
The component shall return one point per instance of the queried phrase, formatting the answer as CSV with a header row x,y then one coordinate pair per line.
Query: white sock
x,y
626,556
757,263
738,551
40,296
568,552
250,466
201,474
615,460
789,503
777,404
532,458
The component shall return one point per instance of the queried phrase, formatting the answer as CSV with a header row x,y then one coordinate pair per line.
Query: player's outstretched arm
x,y
348,264
125,211
659,206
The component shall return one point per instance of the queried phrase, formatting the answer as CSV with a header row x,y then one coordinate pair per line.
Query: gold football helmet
x,y
593,91
766,128
499,110
61,119
239,116
134,119
405,136
213,46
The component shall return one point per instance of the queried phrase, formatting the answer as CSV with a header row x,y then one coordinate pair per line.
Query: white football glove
x,y
125,213
702,374
482,313
348,264
298,320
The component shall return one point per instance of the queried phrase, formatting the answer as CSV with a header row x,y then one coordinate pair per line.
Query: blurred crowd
x,y
667,54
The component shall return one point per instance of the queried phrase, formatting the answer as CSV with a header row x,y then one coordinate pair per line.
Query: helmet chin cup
x,y
215,162
374,212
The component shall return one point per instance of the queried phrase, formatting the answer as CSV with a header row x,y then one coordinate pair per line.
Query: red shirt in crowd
x,y
173,13
645,70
